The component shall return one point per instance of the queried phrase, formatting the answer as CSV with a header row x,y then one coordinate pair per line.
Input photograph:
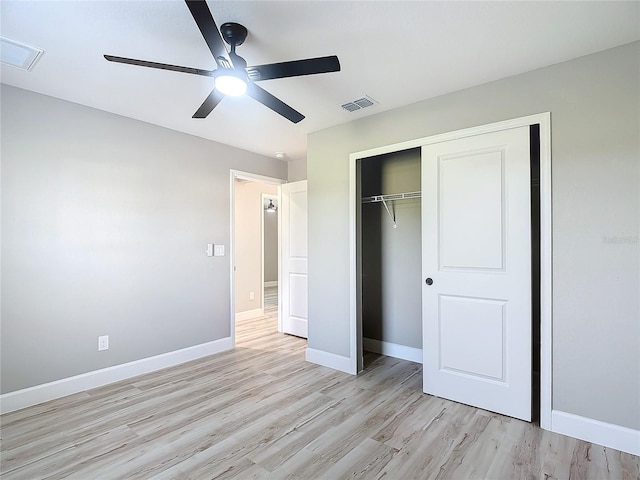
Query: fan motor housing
x,y
233,33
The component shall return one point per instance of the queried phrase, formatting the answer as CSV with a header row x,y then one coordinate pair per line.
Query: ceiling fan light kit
x,y
233,77
230,84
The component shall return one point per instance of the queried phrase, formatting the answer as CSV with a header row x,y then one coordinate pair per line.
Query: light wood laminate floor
x,y
261,411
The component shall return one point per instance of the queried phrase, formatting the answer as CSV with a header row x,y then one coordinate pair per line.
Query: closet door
x,y
293,211
476,221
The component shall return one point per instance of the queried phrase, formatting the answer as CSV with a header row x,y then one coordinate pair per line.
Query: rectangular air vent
x,y
359,103
18,54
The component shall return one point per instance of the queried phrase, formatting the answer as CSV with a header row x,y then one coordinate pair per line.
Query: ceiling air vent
x,y
18,54
358,104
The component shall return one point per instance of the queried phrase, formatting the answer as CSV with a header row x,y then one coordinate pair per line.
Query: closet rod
x,y
389,198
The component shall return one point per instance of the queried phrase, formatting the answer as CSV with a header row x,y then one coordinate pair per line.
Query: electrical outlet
x,y
103,343
252,296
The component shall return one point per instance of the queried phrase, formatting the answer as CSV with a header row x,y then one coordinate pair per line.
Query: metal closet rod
x,y
390,198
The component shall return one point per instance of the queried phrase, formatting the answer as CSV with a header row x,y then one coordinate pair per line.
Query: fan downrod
x,y
233,33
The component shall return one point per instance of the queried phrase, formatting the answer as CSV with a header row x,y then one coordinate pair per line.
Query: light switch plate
x,y
209,249
103,342
218,251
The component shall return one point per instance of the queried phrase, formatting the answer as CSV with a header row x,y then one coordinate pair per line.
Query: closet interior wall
x,y
390,258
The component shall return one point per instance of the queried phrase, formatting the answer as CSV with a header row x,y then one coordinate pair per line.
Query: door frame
x,y
250,177
355,323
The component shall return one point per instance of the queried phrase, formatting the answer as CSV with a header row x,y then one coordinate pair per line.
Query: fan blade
x,y
295,68
209,104
273,103
207,25
162,66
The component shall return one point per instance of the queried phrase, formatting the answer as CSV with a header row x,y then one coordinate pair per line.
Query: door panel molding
x,y
491,365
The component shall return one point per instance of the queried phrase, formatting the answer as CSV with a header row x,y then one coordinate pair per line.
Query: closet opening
x,y
389,256
523,147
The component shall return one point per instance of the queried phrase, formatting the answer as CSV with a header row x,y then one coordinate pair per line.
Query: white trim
x,y
544,120
454,135
279,260
67,386
252,177
330,360
274,283
354,331
594,431
393,350
248,314
262,198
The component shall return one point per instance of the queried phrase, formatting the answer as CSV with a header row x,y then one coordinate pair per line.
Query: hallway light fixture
x,y
271,207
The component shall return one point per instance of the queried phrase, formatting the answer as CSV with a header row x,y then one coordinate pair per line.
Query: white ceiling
x,y
396,52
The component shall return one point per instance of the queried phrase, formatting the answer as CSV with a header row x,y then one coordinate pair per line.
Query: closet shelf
x,y
392,197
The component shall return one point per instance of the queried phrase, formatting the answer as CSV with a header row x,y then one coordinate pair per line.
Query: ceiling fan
x,y
232,76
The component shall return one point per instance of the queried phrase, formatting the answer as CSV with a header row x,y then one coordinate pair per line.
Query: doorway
x,y
270,252
254,242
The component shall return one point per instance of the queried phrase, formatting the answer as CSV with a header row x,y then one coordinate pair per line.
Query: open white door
x,y
293,275
476,234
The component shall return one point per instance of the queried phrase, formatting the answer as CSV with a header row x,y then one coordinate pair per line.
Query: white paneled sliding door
x,y
476,221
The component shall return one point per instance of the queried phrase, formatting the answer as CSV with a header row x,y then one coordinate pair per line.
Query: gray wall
x,y
391,286
297,170
105,222
271,245
594,104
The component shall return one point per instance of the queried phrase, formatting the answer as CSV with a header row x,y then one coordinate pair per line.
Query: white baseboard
x,y
67,386
594,431
271,284
247,314
393,350
331,360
